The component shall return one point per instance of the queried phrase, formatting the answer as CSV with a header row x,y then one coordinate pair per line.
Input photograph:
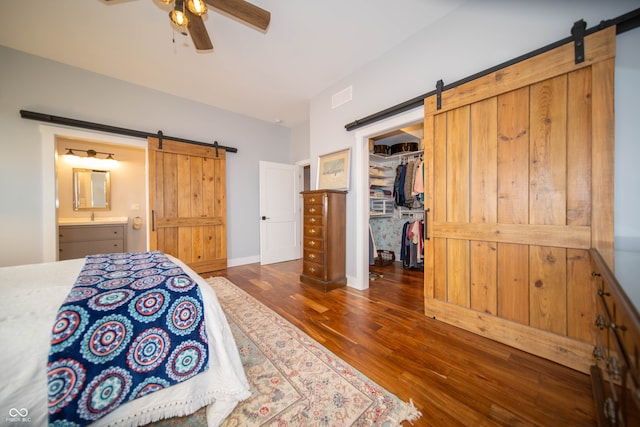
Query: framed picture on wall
x,y
333,170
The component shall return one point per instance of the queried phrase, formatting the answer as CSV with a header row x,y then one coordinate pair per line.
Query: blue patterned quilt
x,y
132,324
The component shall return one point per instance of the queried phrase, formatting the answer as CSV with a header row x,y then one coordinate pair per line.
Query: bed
x,y
30,301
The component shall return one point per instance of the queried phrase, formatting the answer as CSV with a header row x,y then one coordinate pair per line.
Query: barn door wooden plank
x,y
484,195
548,202
458,188
579,151
429,250
513,202
603,149
439,209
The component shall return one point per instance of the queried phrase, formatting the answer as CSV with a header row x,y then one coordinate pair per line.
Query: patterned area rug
x,y
294,380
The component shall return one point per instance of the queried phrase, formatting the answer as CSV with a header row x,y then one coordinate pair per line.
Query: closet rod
x,y
48,118
623,23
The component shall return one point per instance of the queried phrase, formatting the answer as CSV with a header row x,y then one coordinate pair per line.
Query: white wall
x,y
627,173
300,142
474,37
31,83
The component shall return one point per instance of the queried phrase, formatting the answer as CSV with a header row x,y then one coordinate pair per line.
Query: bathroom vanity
x,y
79,237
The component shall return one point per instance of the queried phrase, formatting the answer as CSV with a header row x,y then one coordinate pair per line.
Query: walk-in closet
x,y
396,202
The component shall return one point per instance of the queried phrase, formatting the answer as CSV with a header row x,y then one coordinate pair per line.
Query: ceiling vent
x,y
342,97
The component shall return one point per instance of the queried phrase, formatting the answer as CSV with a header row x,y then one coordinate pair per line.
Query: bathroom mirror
x,y
91,189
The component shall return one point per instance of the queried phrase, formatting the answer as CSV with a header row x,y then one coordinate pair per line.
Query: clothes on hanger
x,y
412,248
408,189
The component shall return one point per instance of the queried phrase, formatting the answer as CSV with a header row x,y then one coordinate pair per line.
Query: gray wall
x,y
476,36
32,83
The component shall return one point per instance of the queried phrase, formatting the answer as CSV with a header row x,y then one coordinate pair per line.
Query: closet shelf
x,y
397,156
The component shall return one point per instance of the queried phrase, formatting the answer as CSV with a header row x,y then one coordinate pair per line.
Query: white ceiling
x,y
309,45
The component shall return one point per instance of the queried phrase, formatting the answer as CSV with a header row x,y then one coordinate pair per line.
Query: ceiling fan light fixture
x,y
197,7
178,16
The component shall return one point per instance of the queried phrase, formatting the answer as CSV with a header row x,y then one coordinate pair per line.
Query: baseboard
x,y
243,261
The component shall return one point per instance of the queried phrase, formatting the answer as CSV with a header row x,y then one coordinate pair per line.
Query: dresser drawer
x,y
313,269
313,199
73,250
314,256
89,233
313,220
313,231
313,210
310,243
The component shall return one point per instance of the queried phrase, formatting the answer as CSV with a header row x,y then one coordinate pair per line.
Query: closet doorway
x,y
396,202
382,132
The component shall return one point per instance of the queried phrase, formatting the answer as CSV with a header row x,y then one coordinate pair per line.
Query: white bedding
x,y
30,296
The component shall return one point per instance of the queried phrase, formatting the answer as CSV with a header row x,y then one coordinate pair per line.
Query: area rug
x,y
294,380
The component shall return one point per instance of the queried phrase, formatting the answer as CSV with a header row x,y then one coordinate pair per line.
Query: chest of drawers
x,y
615,374
324,241
77,241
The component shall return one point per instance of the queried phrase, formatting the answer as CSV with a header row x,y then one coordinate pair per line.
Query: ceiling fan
x,y
188,13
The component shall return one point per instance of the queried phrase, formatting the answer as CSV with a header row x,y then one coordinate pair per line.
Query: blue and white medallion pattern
x,y
132,324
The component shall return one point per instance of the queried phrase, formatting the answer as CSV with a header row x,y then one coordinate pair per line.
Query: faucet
x,y
93,216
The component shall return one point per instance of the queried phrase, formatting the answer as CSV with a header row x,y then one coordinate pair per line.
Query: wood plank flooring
x,y
454,377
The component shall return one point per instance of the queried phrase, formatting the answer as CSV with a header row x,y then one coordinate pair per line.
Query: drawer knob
x,y
312,200
610,409
312,243
312,220
613,369
312,256
312,231
312,269
312,210
600,322
597,352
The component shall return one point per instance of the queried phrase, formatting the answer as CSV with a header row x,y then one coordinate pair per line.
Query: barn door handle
x,y
153,220
426,224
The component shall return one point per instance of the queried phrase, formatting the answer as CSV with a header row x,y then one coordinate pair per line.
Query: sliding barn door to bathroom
x,y
519,185
187,197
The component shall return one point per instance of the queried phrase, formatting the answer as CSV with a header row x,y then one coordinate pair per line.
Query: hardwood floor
x,y
453,377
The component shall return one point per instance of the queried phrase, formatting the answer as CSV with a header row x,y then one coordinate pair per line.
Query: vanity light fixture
x,y
89,153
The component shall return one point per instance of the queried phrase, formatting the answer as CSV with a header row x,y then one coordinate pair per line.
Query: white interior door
x,y
279,212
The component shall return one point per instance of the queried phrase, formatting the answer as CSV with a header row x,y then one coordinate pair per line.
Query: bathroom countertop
x,y
95,221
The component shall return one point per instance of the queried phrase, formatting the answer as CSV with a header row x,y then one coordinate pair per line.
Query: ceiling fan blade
x,y
244,11
198,32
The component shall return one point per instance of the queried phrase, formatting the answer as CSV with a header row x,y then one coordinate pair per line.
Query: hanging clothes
x,y
418,182
412,249
398,187
408,184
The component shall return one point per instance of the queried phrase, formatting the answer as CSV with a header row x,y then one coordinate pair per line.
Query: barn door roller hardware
x,y
439,87
48,118
577,31
160,135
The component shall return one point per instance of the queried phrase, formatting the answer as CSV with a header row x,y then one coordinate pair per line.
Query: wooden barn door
x,y
519,185
187,196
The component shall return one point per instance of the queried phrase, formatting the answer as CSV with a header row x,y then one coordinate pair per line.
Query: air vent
x,y
342,97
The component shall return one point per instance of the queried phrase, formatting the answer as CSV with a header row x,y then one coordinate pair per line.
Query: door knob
x,y
265,217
